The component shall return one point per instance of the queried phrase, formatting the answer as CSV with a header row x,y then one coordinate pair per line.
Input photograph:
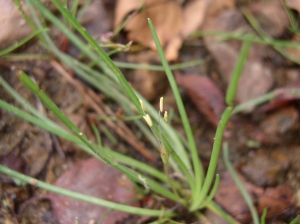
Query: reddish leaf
x,y
283,97
265,168
230,198
95,178
206,96
276,200
280,121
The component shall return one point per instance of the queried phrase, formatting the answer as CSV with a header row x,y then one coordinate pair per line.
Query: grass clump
x,y
196,192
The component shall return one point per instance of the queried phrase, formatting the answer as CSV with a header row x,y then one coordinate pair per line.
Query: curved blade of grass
x,y
158,67
295,221
219,211
82,197
239,184
263,216
230,94
108,159
241,36
25,57
212,193
198,168
214,158
19,43
237,72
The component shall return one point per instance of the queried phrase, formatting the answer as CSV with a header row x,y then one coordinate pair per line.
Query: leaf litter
x,y
269,170
94,178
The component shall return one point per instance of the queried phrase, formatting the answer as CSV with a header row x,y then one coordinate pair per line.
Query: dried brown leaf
x,y
266,168
204,94
95,178
276,200
193,13
257,77
167,27
279,122
271,16
230,198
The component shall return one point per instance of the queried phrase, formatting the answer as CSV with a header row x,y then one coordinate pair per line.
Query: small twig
x,y
57,147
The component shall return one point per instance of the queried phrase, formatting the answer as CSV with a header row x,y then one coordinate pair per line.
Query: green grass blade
x,y
102,54
237,72
19,44
296,220
158,67
214,158
219,211
82,197
238,182
106,59
212,193
198,169
242,37
100,153
85,72
59,131
263,216
231,91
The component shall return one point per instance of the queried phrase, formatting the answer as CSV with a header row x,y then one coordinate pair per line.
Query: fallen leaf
x,y
14,161
283,97
171,29
271,16
167,27
151,84
266,168
229,197
206,96
216,7
95,178
277,200
256,78
280,121
193,14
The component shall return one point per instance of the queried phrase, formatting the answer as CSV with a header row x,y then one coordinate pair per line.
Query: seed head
x,y
148,119
166,118
161,104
